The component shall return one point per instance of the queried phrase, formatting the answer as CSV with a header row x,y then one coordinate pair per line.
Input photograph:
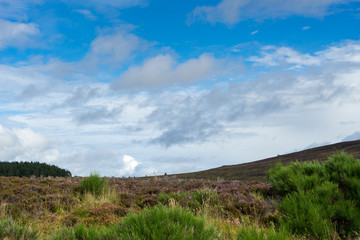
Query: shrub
x,y
94,184
12,231
151,224
165,223
304,215
320,199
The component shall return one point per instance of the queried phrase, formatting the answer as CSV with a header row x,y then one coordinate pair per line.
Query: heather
x,y
49,204
301,201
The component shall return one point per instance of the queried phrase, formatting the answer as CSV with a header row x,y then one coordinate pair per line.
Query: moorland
x,y
297,200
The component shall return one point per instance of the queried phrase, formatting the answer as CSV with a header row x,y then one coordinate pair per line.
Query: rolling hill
x,y
257,170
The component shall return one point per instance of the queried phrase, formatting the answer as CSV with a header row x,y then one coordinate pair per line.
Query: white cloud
x,y
114,46
163,70
274,56
101,4
254,32
129,166
87,14
233,11
16,34
306,28
348,52
23,144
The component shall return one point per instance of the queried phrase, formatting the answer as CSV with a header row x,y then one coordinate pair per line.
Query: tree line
x,y
28,169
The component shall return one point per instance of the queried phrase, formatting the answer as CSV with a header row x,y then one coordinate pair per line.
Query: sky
x,y
147,87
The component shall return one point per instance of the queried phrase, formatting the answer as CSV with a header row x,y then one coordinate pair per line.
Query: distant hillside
x,y
257,170
28,169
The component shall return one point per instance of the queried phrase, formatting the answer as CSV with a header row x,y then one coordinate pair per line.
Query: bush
x,y
151,224
12,231
94,184
165,223
320,199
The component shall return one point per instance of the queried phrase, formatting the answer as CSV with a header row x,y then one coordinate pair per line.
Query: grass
x,y
305,201
94,185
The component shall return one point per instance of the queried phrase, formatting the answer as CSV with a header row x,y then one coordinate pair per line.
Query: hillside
x,y
257,170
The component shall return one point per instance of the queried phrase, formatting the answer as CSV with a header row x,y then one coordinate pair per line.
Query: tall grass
x,y
94,184
256,233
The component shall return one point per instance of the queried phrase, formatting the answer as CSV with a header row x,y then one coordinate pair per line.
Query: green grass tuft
x,y
94,184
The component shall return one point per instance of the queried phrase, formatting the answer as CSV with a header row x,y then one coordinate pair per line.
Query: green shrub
x,y
303,215
296,177
94,184
165,223
150,224
254,233
12,231
320,199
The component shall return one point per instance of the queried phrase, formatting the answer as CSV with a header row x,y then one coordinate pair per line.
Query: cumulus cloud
x,y
17,34
129,165
163,70
233,11
23,144
113,46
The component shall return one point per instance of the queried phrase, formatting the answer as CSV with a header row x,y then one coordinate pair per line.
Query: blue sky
x,y
133,88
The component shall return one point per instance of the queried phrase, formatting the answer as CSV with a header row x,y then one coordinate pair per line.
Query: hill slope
x,y
257,170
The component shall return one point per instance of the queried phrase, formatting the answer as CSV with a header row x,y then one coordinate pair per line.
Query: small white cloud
x,y
114,46
87,14
163,70
16,34
254,32
274,56
305,28
129,165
